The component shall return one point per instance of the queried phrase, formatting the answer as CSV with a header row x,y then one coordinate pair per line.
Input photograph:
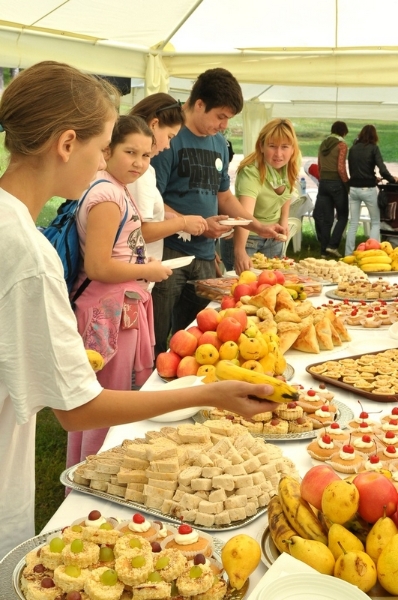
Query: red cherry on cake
x,y
390,435
324,408
393,422
326,439
184,529
374,459
394,410
363,424
366,439
311,393
348,449
137,518
94,515
334,425
291,405
363,414
391,449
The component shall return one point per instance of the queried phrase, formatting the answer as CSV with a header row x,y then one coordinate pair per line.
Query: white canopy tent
x,y
332,58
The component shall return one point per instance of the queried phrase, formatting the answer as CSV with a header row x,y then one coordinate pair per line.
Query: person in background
x,y
114,313
193,173
264,185
55,144
164,116
363,156
332,197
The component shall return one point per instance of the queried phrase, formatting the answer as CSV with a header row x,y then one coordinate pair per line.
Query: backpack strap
x,y
86,282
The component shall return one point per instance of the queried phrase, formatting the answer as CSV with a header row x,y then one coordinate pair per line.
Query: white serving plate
x,y
176,263
235,222
310,586
183,413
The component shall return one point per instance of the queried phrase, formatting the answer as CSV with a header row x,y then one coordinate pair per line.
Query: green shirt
x,y
268,203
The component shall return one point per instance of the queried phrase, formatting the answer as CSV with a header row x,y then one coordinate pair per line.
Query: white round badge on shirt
x,y
218,164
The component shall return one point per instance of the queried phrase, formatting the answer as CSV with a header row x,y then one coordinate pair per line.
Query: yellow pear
x,y
337,533
228,351
206,354
280,363
251,330
356,568
268,363
340,500
240,557
253,365
251,349
387,566
315,554
247,277
379,536
208,373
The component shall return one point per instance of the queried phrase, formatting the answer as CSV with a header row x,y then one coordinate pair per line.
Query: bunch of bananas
x,y
290,515
296,290
383,259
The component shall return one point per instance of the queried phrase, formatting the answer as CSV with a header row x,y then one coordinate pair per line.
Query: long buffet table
x,y
363,341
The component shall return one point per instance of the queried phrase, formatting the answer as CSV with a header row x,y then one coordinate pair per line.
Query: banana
x,y
369,267
349,260
293,293
387,247
298,512
375,259
279,526
298,287
362,253
283,392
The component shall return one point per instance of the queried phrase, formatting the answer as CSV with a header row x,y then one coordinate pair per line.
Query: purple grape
x,y
156,547
47,582
199,559
39,568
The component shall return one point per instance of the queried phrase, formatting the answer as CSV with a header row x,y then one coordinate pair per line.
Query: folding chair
x,y
294,227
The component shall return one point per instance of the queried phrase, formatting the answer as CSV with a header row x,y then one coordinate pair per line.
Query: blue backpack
x,y
62,234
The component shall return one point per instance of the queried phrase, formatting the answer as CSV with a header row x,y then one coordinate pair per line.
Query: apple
x,y
247,277
242,289
207,319
394,517
375,493
267,277
262,286
183,343
361,247
229,329
167,363
372,244
195,331
253,288
314,482
228,302
187,366
280,278
238,314
210,337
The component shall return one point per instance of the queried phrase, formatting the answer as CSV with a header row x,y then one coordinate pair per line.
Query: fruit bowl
x,y
183,413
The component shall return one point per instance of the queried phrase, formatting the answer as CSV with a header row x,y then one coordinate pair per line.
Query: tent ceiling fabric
x,y
343,43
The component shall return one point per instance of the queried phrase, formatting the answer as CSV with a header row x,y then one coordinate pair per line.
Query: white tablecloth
x,y
363,341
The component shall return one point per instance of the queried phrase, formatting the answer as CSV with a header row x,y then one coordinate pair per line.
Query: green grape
x,y
77,528
162,563
135,543
76,546
195,572
106,526
57,544
73,571
106,554
109,577
138,561
154,577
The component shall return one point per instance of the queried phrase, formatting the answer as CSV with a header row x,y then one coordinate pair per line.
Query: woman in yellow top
x,y
264,185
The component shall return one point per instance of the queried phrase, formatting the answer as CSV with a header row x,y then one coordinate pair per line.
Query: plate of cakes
x,y
95,557
365,315
302,419
366,445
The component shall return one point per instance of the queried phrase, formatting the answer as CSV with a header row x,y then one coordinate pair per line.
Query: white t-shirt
x,y
42,360
150,204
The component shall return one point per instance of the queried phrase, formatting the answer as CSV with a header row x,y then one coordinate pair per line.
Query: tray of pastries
x,y
214,289
215,476
368,291
373,375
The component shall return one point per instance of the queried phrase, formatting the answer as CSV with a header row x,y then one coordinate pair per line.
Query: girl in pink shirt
x,y
114,312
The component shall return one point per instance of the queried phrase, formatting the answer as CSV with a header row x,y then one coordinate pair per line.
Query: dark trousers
x,y
175,304
332,198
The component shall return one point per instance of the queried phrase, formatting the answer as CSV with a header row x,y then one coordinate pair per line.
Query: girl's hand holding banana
x,y
237,396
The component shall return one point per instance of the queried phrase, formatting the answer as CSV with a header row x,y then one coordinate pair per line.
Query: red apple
x,y
280,278
394,517
253,285
167,363
187,366
207,319
195,331
242,289
361,247
210,337
229,329
372,244
262,286
314,482
228,302
183,343
238,314
375,493
267,277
